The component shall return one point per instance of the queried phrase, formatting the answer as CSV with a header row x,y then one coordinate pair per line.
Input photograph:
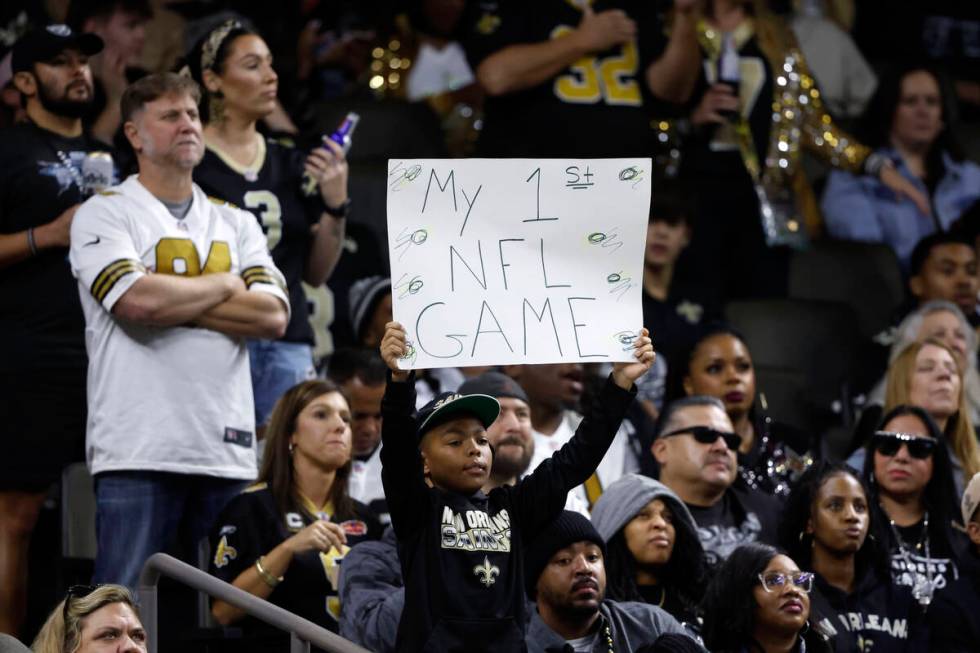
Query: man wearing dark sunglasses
x,y
697,454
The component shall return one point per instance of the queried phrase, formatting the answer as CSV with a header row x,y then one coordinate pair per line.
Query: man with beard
x,y
510,436
42,351
172,282
554,392
697,452
565,573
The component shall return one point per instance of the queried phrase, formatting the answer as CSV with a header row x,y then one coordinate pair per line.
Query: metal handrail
x,y
302,631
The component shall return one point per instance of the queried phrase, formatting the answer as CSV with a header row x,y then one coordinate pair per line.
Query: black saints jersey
x,y
251,525
41,318
271,190
593,108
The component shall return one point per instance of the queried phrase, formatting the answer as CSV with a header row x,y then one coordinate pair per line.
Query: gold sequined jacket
x,y
799,120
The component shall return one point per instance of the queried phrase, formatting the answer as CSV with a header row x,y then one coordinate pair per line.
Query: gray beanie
x,y
621,501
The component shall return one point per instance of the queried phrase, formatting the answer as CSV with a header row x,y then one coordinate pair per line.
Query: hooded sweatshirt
x,y
621,502
877,614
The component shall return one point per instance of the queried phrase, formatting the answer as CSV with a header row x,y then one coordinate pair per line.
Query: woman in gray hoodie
x,y
653,551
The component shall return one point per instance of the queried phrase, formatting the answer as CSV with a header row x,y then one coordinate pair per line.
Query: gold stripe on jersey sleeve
x,y
112,273
259,274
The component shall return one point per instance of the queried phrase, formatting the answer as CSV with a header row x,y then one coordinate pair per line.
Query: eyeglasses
x,y
888,444
775,580
75,592
708,435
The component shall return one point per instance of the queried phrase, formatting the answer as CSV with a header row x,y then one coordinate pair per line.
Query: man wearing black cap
x,y
461,550
565,573
42,352
510,435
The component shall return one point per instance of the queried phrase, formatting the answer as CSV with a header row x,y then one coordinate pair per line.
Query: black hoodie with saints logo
x,y
462,557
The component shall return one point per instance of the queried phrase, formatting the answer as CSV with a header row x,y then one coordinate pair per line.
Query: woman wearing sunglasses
x,y
719,365
100,619
913,501
825,528
759,602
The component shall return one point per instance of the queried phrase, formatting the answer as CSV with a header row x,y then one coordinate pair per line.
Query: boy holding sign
x,y
462,551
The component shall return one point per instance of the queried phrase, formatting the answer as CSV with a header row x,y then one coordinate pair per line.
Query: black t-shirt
x,y
594,108
251,525
273,193
40,313
711,151
740,517
877,616
914,561
462,557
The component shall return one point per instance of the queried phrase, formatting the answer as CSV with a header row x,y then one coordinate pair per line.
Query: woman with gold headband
x,y
743,146
299,199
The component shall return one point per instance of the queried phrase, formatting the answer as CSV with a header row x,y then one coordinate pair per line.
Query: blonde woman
x,y
944,321
925,374
93,619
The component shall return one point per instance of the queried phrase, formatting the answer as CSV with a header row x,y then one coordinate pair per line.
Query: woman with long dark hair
x,y
908,122
825,528
300,199
719,364
759,602
913,500
282,539
653,554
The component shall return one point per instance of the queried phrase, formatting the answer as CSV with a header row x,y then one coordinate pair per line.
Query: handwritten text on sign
x,y
497,261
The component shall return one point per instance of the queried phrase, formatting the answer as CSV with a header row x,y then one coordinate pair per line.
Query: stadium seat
x,y
803,353
78,540
865,276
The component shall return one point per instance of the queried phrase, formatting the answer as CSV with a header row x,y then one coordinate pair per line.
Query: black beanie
x,y
570,527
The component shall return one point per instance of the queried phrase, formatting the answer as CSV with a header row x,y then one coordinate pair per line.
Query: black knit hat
x,y
364,296
570,527
495,384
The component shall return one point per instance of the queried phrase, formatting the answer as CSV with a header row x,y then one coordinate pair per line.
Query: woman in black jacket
x,y
826,523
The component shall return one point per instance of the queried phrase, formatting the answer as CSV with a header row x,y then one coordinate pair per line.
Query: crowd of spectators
x,y
196,303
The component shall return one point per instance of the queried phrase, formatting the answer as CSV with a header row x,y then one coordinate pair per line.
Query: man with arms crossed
x,y
171,283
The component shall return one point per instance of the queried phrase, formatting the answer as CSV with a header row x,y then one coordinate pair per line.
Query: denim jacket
x,y
862,208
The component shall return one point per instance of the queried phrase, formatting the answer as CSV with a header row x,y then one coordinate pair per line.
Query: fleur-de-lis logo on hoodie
x,y
486,572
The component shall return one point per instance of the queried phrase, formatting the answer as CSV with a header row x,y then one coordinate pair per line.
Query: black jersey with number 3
x,y
271,190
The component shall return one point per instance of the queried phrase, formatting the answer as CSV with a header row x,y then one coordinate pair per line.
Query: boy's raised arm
x,y
541,495
401,462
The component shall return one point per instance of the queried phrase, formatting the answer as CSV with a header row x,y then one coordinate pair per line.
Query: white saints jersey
x,y
169,399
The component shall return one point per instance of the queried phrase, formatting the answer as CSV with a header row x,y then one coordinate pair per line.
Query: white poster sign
x,y
499,261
